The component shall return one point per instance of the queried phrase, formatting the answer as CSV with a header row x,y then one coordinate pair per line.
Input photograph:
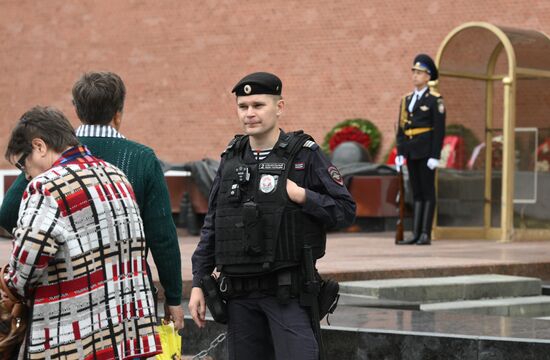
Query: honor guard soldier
x,y
420,134
275,195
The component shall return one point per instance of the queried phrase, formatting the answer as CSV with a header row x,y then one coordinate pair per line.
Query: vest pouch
x,y
253,243
214,299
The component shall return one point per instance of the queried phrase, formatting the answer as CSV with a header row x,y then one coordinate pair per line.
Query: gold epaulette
x,y
408,94
435,93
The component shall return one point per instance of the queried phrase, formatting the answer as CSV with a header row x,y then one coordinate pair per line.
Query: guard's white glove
x,y
399,161
433,163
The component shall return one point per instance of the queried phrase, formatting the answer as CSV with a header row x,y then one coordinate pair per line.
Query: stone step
x,y
372,302
529,306
449,288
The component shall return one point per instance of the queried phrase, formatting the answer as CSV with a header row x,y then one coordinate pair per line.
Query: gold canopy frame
x,y
482,52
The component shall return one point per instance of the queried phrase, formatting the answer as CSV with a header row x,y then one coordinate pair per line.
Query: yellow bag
x,y
171,342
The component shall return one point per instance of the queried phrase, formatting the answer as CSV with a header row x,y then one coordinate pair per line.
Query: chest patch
x,y
424,108
272,166
299,166
268,183
335,175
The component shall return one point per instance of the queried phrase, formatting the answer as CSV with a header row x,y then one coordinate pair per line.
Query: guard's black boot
x,y
417,222
427,219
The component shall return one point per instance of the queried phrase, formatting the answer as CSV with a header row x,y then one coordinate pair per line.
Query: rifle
x,y
401,201
309,297
401,194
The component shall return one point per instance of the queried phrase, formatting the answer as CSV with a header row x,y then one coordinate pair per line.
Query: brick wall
x,y
180,59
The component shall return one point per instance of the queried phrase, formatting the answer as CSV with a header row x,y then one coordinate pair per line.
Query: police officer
x,y
274,193
420,134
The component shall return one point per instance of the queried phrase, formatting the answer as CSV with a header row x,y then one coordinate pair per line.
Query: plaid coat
x,y
79,257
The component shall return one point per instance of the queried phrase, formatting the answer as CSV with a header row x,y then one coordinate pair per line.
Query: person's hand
x,y
197,307
6,301
399,161
174,313
295,193
432,163
4,296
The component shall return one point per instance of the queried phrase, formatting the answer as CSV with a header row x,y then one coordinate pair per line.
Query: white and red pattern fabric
x,y
79,257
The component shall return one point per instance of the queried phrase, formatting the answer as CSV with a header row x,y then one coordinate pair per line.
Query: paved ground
x,y
355,256
374,255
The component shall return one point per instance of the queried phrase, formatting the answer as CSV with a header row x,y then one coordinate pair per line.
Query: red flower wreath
x,y
544,151
349,133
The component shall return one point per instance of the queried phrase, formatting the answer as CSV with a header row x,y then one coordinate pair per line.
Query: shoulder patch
x,y
440,106
335,175
310,144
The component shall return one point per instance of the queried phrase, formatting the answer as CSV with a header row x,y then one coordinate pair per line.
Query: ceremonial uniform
x,y
420,134
253,233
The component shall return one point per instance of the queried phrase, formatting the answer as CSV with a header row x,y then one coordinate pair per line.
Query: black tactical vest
x,y
258,229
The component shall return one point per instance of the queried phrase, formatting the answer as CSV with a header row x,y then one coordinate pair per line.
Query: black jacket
x,y
428,112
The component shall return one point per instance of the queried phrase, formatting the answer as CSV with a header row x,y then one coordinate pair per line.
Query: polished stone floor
x,y
448,324
377,334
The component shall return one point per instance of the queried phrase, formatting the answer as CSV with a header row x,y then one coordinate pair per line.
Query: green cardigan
x,y
143,170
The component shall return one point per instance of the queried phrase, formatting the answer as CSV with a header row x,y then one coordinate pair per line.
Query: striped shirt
x,y
88,130
260,155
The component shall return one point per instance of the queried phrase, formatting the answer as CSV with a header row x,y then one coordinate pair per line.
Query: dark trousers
x,y
422,180
259,327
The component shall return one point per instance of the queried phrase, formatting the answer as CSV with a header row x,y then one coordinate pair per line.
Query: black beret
x,y
258,83
425,63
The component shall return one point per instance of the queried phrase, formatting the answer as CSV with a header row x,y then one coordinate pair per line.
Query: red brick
x,y
180,60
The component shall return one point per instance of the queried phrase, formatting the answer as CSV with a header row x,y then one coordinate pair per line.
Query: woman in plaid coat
x,y
79,251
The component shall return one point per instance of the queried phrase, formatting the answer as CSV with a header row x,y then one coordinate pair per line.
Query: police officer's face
x,y
420,78
259,113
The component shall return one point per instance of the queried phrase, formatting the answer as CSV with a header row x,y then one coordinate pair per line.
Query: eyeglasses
x,y
20,164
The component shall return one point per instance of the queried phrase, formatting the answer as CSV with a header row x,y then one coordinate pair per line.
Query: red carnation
x,y
349,133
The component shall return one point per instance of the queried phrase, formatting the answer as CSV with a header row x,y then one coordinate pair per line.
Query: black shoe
x,y
424,239
409,241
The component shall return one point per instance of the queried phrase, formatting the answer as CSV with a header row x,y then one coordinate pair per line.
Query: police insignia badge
x,y
268,183
299,166
424,108
335,175
440,106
